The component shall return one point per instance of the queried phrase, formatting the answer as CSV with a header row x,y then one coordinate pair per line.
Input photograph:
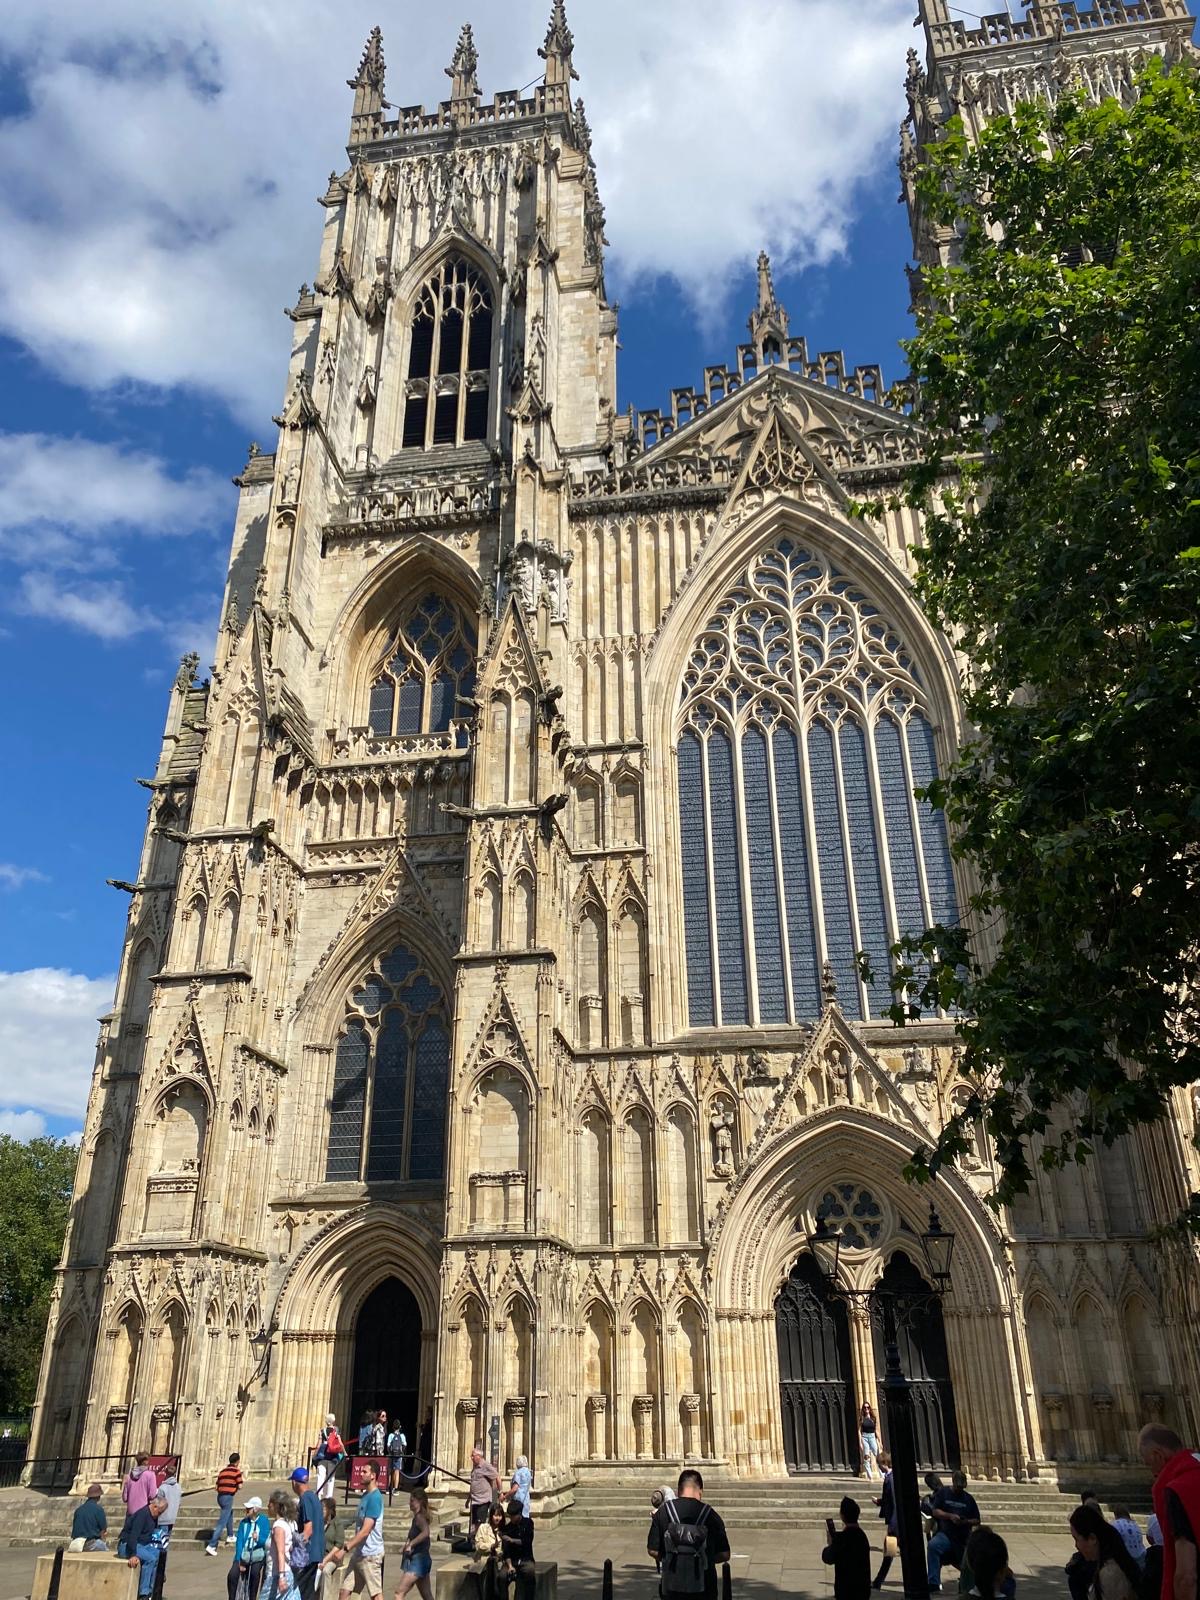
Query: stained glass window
x,y
854,1212
391,1076
428,667
803,731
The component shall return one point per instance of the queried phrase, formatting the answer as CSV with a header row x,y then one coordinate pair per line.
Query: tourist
x,y
488,1538
366,1432
848,1552
516,1544
688,1540
364,1548
89,1524
229,1482
249,1550
868,1430
1130,1532
955,1513
484,1485
172,1494
522,1483
1176,1505
985,1560
887,1514
379,1434
310,1531
397,1448
278,1577
1116,1575
1152,1566
416,1557
329,1453
139,1485
141,1542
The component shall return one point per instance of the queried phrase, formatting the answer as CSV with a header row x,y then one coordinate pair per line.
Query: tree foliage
x,y
1058,371
35,1198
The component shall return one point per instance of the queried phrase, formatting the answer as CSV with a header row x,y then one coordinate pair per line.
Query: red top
x,y
1181,1476
229,1480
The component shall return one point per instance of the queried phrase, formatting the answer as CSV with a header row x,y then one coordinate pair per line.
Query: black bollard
x,y
55,1575
726,1583
606,1585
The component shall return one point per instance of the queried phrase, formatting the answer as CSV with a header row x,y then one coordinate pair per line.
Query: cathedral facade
x,y
489,1035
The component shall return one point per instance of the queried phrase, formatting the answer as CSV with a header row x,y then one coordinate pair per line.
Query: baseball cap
x,y
300,1475
253,1504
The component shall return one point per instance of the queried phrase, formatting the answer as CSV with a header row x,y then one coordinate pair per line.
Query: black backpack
x,y
684,1552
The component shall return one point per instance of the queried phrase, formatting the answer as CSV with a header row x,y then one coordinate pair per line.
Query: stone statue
x,y
722,1132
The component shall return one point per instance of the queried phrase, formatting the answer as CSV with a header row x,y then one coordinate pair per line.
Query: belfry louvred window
x,y
447,392
803,731
391,1078
428,667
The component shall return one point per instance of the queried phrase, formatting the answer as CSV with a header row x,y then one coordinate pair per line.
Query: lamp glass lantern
x,y
825,1243
937,1244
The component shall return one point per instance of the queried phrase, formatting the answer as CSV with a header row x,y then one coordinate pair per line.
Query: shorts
x,y
420,1564
363,1572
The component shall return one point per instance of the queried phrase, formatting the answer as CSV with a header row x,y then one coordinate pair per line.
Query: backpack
x,y
298,1554
684,1552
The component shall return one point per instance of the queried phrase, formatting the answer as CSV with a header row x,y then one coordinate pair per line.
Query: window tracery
x,y
803,730
391,1077
855,1213
449,359
428,666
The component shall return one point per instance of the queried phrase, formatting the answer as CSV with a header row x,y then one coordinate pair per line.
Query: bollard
x,y
606,1586
55,1575
726,1582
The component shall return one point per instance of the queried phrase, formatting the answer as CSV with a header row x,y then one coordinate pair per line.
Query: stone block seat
x,y
461,1578
99,1576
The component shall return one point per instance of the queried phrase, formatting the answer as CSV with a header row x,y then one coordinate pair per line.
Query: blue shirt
x,y
252,1533
523,1478
309,1510
89,1521
371,1505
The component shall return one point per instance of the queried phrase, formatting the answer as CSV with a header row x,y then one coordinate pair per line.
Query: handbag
x,y
298,1555
242,1592
891,1546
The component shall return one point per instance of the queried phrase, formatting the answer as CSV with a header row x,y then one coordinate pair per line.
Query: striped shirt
x,y
229,1480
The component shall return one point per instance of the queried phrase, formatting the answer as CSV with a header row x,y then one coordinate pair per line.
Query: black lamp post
x,y
937,1246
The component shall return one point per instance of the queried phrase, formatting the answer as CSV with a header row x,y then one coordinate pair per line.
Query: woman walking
x,y
522,1483
278,1579
868,1430
416,1559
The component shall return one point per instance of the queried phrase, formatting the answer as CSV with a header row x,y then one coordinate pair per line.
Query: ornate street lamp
x,y
825,1244
938,1246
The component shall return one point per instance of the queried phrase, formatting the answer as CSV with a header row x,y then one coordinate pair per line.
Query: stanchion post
x,y
606,1586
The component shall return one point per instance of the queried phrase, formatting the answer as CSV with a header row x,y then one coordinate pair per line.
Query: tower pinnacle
x,y
461,71
556,51
367,84
768,320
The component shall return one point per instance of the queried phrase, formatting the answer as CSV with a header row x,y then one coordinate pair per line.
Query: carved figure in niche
x,y
837,1073
722,1138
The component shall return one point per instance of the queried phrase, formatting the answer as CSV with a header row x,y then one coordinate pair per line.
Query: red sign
x,y
159,1465
358,1463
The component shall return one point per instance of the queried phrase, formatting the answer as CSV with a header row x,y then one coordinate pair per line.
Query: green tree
x,y
35,1199
1058,370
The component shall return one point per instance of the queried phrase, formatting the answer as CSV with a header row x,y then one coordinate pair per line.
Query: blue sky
x,y
158,213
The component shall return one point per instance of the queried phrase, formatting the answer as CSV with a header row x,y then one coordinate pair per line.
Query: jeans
x,y
224,1520
148,1555
942,1548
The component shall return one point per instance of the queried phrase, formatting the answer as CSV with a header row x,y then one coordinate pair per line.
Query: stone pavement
x,y
765,1564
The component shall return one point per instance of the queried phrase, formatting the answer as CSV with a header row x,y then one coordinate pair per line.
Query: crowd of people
x,y
287,1549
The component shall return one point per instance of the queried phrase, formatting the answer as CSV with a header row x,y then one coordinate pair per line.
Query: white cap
x,y
253,1504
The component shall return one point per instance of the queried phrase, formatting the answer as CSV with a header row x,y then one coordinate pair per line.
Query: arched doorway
x,y
926,1364
387,1357
813,1336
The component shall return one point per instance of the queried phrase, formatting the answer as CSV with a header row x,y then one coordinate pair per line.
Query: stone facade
x,y
488,1035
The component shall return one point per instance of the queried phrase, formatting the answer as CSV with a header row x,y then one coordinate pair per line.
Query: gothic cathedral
x,y
489,1034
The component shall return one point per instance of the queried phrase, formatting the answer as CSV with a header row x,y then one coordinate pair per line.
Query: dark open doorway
x,y
926,1363
387,1358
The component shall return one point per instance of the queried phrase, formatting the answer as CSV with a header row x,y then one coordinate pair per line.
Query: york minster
x,y
489,1037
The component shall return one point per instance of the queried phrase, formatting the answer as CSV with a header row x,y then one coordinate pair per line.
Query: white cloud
x,y
14,877
176,216
23,1125
48,1039
100,609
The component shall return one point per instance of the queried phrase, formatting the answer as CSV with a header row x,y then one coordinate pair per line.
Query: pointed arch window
x,y
391,1078
448,389
428,666
803,731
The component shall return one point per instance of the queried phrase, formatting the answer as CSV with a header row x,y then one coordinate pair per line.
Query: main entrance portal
x,y
387,1358
814,1374
921,1335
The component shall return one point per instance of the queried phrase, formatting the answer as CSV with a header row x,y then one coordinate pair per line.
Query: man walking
x,y
955,1513
310,1525
229,1481
688,1541
485,1486
364,1548
1176,1491
848,1552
